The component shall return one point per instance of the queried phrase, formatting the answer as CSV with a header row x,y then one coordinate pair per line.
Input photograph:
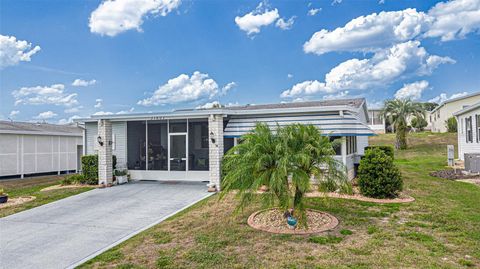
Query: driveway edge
x,y
125,238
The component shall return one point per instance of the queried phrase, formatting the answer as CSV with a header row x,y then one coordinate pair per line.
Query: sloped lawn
x,y
441,229
32,187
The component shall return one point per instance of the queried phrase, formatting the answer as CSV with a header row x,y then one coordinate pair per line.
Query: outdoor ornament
x,y
291,220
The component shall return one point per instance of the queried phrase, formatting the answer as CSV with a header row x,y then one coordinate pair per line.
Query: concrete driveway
x,y
68,232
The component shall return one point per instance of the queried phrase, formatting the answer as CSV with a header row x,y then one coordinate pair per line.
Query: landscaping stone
x,y
273,221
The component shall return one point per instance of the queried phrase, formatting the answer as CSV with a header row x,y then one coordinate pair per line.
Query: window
x,y
136,142
198,145
477,122
157,145
351,144
337,144
468,130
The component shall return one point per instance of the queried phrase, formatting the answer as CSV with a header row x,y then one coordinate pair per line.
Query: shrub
x,y
119,173
419,123
378,177
90,168
386,149
451,124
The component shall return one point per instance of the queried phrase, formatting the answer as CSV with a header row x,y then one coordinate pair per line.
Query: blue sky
x,y
180,54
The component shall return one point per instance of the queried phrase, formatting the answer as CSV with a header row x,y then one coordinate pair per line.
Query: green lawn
x,y
441,229
32,187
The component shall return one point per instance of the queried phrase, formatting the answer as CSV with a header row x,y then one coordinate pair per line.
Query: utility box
x,y
472,162
450,154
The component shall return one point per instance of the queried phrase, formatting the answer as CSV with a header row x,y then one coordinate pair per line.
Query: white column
x,y
105,165
215,144
344,151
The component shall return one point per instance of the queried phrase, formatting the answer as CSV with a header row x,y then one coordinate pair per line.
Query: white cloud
x,y
14,113
69,120
256,19
289,76
335,2
125,111
45,95
285,25
454,19
369,33
386,66
313,11
228,87
13,51
98,103
185,88
340,95
115,16
209,105
46,115
102,113
83,83
412,91
73,109
447,20
444,97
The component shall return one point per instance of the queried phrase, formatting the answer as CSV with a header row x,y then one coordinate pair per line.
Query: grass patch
x,y
438,230
32,187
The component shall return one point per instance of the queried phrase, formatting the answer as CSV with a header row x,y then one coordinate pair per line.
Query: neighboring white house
x,y
468,125
445,110
375,121
189,144
39,148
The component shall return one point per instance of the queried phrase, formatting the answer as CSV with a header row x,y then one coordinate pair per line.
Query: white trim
x,y
164,175
125,238
38,133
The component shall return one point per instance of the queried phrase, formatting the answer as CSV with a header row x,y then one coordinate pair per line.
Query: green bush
x,y
73,179
378,177
451,124
90,168
386,149
419,123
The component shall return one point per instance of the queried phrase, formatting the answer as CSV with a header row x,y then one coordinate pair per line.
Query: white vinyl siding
x,y
119,139
91,133
463,146
31,154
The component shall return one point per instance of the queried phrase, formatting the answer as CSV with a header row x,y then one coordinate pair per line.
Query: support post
x,y
105,161
215,145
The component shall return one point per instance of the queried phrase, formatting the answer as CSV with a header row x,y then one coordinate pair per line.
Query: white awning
x,y
329,124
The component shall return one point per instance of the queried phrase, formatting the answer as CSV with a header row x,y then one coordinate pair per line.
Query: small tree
x,y
378,176
451,125
285,161
419,123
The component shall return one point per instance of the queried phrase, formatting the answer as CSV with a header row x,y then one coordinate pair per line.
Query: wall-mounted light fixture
x,y
99,140
211,137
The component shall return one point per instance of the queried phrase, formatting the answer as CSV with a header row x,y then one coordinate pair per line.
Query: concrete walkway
x,y
68,232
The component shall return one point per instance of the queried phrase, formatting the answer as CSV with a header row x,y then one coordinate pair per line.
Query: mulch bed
x,y
402,198
273,221
453,174
73,186
17,201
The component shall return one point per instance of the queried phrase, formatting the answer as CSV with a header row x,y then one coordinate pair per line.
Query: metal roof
x,y
353,105
16,127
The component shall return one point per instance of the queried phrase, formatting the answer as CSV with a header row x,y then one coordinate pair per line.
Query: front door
x,y
178,152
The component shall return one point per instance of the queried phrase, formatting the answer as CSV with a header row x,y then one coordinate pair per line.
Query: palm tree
x,y
397,112
286,161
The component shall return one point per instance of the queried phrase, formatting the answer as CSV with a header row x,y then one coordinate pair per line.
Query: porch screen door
x,y
178,152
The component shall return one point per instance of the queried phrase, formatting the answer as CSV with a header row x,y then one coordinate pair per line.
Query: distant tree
x,y
397,111
418,123
429,106
451,125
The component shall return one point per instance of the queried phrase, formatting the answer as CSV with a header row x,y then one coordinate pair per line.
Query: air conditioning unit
x,y
472,162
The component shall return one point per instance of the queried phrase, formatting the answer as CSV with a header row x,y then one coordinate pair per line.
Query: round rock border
x,y
331,225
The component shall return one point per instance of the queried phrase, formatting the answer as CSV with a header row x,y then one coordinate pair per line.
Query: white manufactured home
x,y
189,144
468,130
39,148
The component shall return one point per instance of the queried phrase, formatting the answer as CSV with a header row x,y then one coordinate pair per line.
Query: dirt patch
x,y
73,186
273,221
17,201
402,198
453,174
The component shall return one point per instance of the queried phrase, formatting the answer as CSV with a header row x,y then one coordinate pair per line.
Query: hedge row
x,y
90,167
